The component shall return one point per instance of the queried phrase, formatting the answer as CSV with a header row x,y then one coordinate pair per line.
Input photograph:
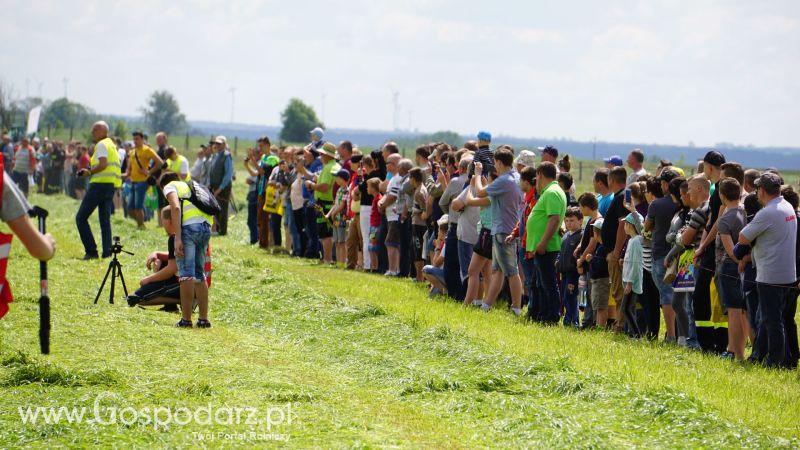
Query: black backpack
x,y
203,198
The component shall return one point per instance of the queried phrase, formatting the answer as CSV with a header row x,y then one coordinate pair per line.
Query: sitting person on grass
x,y
162,286
434,273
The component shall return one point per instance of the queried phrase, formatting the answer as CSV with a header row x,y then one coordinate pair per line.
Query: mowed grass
x,y
363,361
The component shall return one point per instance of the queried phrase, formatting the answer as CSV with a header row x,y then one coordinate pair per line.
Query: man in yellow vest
x,y
177,163
192,233
105,178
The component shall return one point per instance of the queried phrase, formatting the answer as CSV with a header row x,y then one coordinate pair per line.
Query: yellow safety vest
x,y
112,172
188,210
175,166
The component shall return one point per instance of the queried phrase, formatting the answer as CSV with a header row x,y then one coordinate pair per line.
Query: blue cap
x,y
484,136
318,132
615,160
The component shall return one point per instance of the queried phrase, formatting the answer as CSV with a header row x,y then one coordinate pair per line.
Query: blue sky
x,y
645,71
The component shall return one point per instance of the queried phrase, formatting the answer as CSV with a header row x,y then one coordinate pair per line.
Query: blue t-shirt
x,y
505,196
603,202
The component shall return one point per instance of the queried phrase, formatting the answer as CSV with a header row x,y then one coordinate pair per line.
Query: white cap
x,y
221,140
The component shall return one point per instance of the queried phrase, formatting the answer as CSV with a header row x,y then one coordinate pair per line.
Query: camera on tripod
x,y
115,270
116,247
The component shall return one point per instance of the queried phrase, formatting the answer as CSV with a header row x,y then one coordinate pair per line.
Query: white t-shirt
x,y
393,189
184,168
100,151
296,194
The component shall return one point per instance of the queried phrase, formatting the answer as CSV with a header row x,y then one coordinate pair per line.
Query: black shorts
x,y
392,234
418,240
484,245
324,229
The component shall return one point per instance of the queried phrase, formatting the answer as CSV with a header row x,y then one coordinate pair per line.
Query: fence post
x,y
186,151
71,129
580,170
235,145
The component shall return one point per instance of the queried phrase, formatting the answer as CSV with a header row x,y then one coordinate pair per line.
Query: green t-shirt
x,y
327,175
552,202
486,216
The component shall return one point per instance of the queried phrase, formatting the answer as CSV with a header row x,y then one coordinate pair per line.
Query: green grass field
x,y
356,361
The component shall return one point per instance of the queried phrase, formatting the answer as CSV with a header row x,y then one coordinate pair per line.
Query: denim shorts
x,y
373,239
195,239
664,289
436,272
340,234
504,256
730,286
138,191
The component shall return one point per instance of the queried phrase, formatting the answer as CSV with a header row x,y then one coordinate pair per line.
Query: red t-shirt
x,y
375,214
84,161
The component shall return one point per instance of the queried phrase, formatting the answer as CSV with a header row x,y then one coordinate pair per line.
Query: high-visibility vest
x,y
175,166
188,210
112,173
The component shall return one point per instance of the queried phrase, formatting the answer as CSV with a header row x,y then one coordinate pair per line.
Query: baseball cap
x,y
220,140
714,158
632,220
343,174
598,223
768,179
614,160
318,132
526,158
668,175
550,150
484,136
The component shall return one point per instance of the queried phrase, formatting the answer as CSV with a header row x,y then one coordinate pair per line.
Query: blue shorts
x,y
504,256
730,285
138,191
195,239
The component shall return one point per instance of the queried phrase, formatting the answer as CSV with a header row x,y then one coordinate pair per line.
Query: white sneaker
x,y
486,307
682,341
477,303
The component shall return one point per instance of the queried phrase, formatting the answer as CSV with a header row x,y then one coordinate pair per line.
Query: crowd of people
x,y
712,254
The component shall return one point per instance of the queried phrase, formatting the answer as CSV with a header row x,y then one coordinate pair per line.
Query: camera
x,y
116,247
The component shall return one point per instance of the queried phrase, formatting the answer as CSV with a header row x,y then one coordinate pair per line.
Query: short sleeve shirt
x,y
774,228
329,171
661,212
552,202
616,211
14,203
140,158
731,223
506,196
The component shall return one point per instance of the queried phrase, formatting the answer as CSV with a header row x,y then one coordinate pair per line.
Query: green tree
x,y
67,114
298,119
121,130
162,113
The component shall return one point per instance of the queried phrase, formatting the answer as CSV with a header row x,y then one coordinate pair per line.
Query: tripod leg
x,y
113,278
100,291
122,278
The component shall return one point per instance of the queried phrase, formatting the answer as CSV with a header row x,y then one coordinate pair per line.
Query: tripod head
x,y
38,211
116,248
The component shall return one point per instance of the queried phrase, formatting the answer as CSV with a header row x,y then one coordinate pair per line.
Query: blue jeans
x,y
252,215
312,235
464,258
547,289
195,239
452,266
570,298
98,196
664,289
529,275
771,333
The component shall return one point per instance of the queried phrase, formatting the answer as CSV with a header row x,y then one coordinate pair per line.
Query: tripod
x,y
115,270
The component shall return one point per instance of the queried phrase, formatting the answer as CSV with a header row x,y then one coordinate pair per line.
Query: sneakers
x,y
389,273
203,323
88,256
184,323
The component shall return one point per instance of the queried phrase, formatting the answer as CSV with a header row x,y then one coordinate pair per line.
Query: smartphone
x,y
628,196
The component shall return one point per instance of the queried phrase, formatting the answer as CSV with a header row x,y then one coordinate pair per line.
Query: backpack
x,y
203,198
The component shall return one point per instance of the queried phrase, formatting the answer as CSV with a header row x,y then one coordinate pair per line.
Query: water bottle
x,y
582,292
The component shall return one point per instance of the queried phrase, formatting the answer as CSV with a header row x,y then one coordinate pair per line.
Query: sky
x,y
648,71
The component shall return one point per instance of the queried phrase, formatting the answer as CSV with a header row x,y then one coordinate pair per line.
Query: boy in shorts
x,y
598,277
336,216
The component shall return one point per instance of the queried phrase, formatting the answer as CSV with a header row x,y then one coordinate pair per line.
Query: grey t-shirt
x,y
14,203
775,227
730,222
468,221
661,212
506,195
455,187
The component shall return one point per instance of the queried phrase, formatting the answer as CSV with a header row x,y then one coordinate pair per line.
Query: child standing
x,y
632,271
729,224
336,216
599,278
373,189
418,224
568,267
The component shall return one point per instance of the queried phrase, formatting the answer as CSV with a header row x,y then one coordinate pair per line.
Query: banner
x,y
33,120
684,280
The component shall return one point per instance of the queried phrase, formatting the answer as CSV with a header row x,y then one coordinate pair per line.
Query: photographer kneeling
x,y
161,287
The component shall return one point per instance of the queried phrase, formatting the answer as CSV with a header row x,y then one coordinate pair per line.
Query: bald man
x,y
104,178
